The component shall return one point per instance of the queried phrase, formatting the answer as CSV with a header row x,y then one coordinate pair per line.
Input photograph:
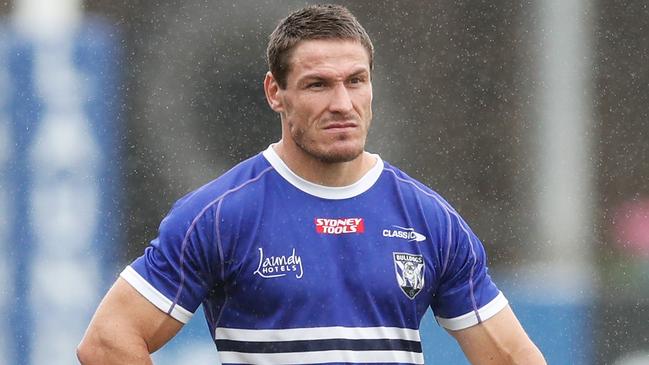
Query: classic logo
x,y
410,272
339,226
278,266
404,233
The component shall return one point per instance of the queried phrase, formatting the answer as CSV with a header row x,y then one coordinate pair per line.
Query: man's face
x,y
326,106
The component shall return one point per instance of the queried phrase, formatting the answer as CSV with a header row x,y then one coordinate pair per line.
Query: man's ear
x,y
272,90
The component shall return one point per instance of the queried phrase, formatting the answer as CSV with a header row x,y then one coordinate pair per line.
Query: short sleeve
x,y
177,269
466,294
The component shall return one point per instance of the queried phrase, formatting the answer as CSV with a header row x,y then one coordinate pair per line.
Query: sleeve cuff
x,y
474,317
154,296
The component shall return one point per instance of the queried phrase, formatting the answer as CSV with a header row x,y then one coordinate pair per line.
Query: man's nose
x,y
340,99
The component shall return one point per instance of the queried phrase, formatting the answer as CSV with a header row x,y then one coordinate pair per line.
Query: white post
x,y
46,19
563,186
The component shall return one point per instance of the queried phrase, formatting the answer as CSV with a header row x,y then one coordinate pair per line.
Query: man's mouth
x,y
340,125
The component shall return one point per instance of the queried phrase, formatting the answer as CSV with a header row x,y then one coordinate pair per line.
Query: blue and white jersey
x,y
290,272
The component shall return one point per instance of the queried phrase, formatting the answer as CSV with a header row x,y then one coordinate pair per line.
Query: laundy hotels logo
x,y
278,266
339,225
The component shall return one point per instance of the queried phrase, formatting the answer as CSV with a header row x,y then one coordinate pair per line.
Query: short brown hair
x,y
312,22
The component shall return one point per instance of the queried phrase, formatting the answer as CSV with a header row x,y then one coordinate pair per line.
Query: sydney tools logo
x,y
339,226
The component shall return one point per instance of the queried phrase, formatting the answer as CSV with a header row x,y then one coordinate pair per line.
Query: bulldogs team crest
x,y
410,272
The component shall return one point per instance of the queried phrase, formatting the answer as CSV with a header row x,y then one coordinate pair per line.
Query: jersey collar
x,y
326,192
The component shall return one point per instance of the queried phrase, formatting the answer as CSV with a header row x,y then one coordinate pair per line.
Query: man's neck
x,y
324,173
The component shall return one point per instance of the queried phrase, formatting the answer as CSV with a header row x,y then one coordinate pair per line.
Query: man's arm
x,y
498,340
125,329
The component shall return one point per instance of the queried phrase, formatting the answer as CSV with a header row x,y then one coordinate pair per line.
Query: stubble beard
x,y
309,147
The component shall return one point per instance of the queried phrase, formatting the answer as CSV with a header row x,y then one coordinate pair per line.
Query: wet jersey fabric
x,y
290,272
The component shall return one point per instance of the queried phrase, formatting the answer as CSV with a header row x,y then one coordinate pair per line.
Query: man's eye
x,y
316,85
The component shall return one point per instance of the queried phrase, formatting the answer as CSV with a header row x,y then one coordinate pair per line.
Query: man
x,y
313,251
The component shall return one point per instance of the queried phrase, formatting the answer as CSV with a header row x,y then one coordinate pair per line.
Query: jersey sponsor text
x,y
339,226
404,233
278,266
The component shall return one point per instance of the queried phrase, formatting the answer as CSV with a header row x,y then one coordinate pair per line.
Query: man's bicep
x,y
124,315
498,340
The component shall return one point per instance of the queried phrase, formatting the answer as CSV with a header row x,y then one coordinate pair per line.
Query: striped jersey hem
x,y
360,345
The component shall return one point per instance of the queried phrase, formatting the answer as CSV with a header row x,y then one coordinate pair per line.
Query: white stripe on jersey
x,y
320,357
154,296
470,319
316,333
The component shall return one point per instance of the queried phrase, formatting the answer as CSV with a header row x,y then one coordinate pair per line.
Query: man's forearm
x,y
94,350
529,355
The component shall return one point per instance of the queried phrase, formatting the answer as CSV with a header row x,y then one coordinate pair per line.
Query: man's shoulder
x,y
414,188
238,178
404,179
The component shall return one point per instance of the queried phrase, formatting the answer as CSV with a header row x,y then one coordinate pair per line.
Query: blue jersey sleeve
x,y
176,271
466,294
